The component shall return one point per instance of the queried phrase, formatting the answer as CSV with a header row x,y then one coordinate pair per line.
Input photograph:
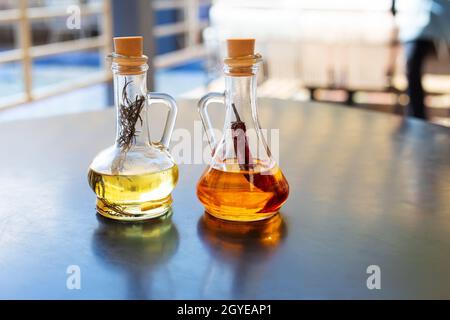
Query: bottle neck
x,y
130,99
240,92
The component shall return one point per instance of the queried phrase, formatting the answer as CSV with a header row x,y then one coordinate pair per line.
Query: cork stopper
x,y
241,57
128,57
128,46
240,47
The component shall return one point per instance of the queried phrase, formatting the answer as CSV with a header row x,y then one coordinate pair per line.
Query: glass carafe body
x,y
243,181
134,178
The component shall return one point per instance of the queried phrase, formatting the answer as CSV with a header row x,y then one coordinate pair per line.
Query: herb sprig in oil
x,y
130,112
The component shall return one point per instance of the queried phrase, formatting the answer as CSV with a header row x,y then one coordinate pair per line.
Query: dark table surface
x,y
366,189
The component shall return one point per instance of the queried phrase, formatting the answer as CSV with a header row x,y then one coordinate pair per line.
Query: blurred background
x,y
350,52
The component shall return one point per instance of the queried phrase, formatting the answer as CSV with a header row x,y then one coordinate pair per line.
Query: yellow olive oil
x,y
134,197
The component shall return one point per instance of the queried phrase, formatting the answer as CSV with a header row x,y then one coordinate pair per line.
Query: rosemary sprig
x,y
129,113
97,183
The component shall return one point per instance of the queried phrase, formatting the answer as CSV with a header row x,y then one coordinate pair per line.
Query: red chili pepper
x,y
263,182
240,141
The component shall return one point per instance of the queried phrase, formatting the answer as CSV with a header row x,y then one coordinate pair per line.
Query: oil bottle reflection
x,y
137,249
244,248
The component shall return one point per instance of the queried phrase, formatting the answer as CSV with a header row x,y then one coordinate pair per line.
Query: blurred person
x,y
423,26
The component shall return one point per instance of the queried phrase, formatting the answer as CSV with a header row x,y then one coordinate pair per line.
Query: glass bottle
x,y
243,181
134,178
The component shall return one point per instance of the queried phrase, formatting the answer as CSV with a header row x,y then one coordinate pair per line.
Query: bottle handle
x,y
156,97
212,97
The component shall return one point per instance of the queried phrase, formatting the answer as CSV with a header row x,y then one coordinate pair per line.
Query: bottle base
x,y
247,217
134,212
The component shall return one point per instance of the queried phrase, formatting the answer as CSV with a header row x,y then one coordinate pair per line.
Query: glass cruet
x,y
134,178
243,181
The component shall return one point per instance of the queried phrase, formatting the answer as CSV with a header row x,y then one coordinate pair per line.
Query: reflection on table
x,y
136,249
243,247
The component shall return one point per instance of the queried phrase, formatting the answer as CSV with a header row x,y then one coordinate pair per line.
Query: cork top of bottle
x,y
240,47
129,46
128,57
241,59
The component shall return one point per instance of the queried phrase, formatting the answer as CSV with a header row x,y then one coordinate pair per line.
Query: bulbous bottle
x,y
243,182
134,178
